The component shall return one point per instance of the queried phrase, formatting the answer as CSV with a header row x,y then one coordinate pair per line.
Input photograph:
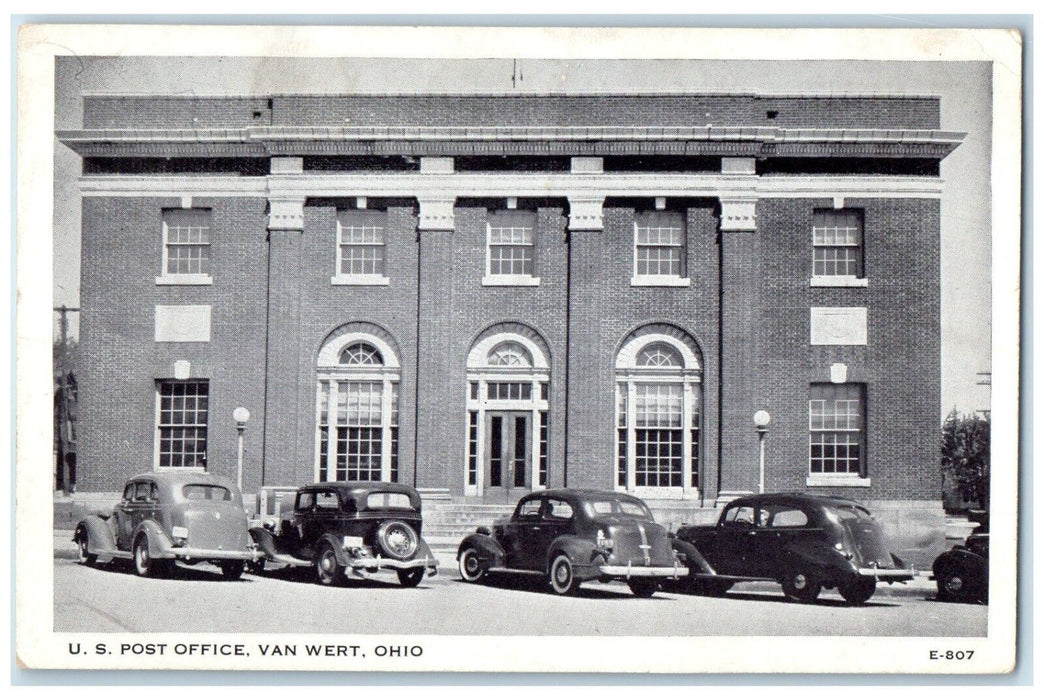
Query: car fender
x,y
694,559
160,546
423,550
581,552
338,547
488,548
265,541
99,535
958,556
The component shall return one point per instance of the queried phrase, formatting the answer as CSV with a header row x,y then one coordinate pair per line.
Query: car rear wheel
x,y
563,580
801,586
144,564
471,567
409,578
857,591
327,571
83,552
231,570
643,588
954,584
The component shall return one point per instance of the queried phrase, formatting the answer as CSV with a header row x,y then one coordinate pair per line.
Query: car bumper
x,y
370,563
198,553
628,571
887,574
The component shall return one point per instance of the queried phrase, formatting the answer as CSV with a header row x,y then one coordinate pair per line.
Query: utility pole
x,y
64,438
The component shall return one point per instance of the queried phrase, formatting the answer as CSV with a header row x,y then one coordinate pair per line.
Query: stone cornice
x,y
260,141
580,186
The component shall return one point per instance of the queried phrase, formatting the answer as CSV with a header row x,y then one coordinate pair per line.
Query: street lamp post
x,y
761,424
240,416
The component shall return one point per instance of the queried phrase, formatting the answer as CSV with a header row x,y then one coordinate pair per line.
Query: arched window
x,y
658,406
510,354
507,425
357,406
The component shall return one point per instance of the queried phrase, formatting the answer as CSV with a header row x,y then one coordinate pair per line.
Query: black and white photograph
x,y
489,349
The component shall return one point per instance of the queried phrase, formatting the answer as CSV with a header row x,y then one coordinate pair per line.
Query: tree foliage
x,y
966,457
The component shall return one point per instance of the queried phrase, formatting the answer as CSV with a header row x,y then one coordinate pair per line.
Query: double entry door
x,y
509,454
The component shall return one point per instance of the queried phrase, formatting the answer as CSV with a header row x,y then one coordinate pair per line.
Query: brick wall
x,y
121,258
151,112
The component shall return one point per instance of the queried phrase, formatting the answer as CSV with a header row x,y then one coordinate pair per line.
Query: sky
x,y
964,89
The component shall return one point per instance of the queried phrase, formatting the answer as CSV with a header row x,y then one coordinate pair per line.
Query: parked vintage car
x,y
350,529
165,517
962,574
806,542
574,536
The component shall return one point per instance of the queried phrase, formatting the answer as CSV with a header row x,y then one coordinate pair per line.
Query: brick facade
x,y
745,309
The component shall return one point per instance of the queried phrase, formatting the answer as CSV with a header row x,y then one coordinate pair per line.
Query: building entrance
x,y
509,454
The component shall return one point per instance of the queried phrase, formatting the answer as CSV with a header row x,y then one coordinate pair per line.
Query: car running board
x,y
734,579
505,570
113,553
287,559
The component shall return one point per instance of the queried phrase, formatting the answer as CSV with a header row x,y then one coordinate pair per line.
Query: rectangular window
x,y
542,479
186,245
837,243
659,245
837,429
509,391
658,434
358,431
182,424
695,447
360,245
511,248
472,448
621,435
394,430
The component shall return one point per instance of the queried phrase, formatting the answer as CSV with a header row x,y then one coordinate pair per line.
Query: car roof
x,y
584,494
179,478
803,497
359,486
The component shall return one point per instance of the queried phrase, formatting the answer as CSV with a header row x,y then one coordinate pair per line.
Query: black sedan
x,y
805,542
571,536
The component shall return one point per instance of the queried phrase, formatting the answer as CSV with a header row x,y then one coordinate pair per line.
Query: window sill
x,y
510,281
659,281
843,480
187,280
838,281
359,281
182,470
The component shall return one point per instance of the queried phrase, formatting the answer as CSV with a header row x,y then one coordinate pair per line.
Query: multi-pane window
x,y
360,243
837,427
837,243
659,245
510,354
358,422
658,434
186,241
511,244
182,423
658,413
509,391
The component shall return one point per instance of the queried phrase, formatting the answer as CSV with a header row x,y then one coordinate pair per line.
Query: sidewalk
x,y
446,552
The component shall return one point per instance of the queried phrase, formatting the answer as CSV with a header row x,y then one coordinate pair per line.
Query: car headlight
x,y
841,550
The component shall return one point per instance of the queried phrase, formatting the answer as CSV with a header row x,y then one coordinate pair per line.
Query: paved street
x,y
110,598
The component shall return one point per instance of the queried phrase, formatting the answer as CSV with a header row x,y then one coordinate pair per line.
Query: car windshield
x,y
381,499
621,507
206,492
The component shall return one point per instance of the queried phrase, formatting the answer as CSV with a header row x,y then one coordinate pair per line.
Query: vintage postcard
x,y
536,349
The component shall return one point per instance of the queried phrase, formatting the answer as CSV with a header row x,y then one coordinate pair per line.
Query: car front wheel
x,y
563,580
83,551
471,568
954,585
857,591
801,586
327,571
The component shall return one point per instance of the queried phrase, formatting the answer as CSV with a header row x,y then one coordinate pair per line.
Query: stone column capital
x,y
436,213
286,213
739,213
585,212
